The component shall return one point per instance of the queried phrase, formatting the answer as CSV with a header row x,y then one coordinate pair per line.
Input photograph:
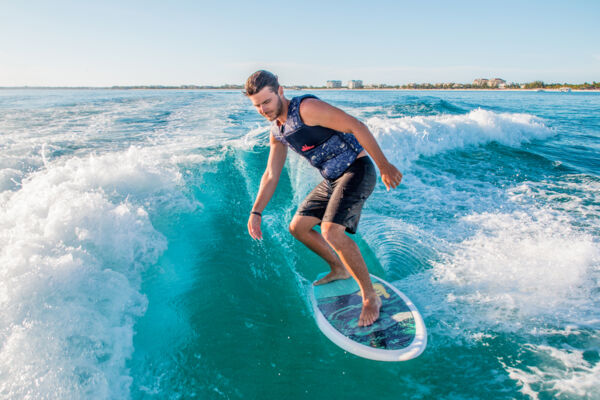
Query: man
x,y
335,143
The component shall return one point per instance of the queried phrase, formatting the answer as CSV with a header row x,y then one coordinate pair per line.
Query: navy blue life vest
x,y
329,150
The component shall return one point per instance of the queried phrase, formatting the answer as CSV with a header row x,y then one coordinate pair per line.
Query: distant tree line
x,y
448,85
454,85
530,85
227,86
579,86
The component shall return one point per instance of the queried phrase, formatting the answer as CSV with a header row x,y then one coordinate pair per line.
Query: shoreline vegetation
x,y
531,86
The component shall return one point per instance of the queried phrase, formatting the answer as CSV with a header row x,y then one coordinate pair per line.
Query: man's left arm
x,y
317,112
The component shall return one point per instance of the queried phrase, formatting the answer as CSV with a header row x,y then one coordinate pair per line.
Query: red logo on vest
x,y
307,147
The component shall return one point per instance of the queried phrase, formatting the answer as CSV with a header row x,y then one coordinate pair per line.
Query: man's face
x,y
268,103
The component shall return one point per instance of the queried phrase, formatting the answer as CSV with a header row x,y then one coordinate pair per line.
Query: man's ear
x,y
280,91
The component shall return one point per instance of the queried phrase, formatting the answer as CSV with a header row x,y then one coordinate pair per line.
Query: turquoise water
x,y
127,272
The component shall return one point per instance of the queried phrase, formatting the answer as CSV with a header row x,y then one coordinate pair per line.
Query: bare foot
x,y
334,275
370,310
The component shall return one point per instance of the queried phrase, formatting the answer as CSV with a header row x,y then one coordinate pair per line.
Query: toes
x,y
369,319
365,320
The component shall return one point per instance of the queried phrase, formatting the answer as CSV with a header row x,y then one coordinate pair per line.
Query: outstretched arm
x,y
317,112
268,183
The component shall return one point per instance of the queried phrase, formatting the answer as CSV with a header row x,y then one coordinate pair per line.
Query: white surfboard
x,y
398,335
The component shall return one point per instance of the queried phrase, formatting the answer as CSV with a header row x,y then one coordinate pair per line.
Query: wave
x,y
567,372
576,195
423,108
75,240
526,278
406,139
520,265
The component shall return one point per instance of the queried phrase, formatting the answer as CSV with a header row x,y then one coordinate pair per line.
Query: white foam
x,y
531,274
257,136
31,138
520,266
9,178
74,241
559,373
405,139
576,195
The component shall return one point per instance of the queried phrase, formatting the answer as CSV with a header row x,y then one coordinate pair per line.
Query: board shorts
x,y
341,200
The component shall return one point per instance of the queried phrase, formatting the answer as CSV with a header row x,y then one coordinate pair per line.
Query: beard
x,y
278,109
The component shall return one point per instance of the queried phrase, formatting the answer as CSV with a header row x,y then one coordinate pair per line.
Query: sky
x,y
106,43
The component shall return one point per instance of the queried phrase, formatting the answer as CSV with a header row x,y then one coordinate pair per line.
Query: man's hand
x,y
254,226
390,176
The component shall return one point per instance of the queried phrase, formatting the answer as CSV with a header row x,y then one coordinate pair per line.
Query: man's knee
x,y
333,234
301,225
294,228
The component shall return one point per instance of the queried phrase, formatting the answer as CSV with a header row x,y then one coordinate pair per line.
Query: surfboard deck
x,y
398,335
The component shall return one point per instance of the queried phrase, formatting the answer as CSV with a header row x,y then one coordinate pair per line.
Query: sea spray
x,y
406,139
74,246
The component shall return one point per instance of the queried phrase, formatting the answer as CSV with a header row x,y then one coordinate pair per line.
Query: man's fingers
x,y
391,182
255,233
398,178
385,182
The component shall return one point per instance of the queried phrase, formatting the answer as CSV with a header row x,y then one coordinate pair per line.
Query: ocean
x,y
126,269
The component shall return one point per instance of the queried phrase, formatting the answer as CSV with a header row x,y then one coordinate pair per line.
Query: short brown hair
x,y
259,80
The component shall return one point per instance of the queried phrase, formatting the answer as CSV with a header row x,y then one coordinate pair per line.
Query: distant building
x,y
457,86
334,84
355,84
496,82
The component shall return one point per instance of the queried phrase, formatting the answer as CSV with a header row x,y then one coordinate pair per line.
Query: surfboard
x,y
398,335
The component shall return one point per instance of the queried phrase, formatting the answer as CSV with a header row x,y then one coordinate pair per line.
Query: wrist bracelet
x,y
256,213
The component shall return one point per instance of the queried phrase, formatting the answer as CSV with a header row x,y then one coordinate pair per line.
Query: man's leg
x,y
302,229
349,253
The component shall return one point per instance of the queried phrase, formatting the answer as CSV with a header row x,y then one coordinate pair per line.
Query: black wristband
x,y
256,213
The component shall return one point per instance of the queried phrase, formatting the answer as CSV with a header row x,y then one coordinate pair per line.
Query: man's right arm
x,y
268,183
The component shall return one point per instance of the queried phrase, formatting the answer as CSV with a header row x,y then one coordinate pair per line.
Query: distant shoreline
x,y
459,90
291,88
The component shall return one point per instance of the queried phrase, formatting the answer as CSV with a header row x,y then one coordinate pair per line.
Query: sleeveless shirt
x,y
329,150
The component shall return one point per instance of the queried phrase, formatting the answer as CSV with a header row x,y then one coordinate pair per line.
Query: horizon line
x,y
288,86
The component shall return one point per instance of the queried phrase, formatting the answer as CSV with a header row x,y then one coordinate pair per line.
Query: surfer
x,y
335,143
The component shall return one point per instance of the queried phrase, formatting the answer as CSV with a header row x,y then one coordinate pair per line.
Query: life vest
x,y
329,150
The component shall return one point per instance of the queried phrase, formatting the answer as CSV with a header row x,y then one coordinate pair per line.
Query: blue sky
x,y
105,43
